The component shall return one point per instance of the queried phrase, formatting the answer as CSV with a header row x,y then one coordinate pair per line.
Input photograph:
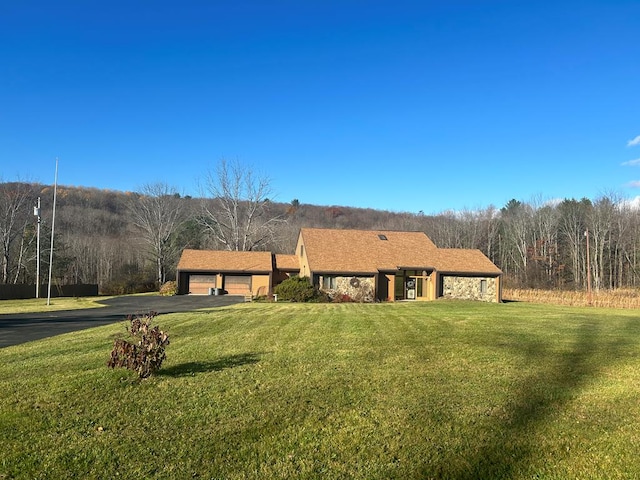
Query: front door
x,y
410,288
412,285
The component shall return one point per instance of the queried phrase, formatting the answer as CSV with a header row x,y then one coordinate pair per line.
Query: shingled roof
x,y
366,251
225,261
287,263
347,251
370,251
459,260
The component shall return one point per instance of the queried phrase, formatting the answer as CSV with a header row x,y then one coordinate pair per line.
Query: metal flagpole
x,y
36,212
53,225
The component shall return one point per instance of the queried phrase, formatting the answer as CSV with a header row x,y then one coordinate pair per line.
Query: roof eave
x,y
414,267
470,273
215,270
343,272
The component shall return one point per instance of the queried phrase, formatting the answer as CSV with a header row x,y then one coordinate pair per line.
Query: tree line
x,y
131,241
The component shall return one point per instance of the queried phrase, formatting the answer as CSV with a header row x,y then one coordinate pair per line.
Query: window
x,y
483,286
329,282
398,287
382,237
302,250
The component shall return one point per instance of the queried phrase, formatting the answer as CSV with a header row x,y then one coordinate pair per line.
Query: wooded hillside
x,y
100,238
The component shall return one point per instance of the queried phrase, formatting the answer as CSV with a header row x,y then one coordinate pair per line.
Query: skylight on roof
x,y
382,237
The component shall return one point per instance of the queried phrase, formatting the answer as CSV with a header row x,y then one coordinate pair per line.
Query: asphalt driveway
x,y
25,327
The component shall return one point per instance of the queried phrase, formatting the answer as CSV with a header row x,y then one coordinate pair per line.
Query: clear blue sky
x,y
395,105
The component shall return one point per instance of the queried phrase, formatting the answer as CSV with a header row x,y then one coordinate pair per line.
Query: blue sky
x,y
394,105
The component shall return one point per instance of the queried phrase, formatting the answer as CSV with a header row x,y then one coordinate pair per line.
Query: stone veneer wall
x,y
364,292
468,288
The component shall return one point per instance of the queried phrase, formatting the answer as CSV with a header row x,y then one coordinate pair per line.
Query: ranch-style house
x,y
366,265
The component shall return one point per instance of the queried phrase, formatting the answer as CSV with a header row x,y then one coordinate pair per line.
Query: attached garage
x,y
233,273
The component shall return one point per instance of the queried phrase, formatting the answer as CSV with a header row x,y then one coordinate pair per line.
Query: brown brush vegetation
x,y
619,298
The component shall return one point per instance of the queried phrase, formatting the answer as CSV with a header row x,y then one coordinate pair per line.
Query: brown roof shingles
x,y
288,263
364,251
459,260
225,261
348,251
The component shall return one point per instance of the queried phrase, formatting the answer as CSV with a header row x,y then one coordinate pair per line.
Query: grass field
x,y
444,389
55,304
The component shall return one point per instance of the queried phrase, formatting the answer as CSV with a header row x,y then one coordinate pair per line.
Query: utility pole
x,y
36,212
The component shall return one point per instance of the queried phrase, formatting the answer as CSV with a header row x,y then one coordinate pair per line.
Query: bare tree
x,y
157,212
545,245
517,219
13,214
600,220
624,249
236,213
490,218
572,225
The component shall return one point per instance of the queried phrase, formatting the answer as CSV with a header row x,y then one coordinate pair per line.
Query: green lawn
x,y
40,304
445,389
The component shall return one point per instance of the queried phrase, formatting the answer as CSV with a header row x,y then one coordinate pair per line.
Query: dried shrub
x,y
169,288
341,298
145,352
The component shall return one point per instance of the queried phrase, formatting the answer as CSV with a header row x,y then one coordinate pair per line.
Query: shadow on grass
x,y
191,368
512,443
